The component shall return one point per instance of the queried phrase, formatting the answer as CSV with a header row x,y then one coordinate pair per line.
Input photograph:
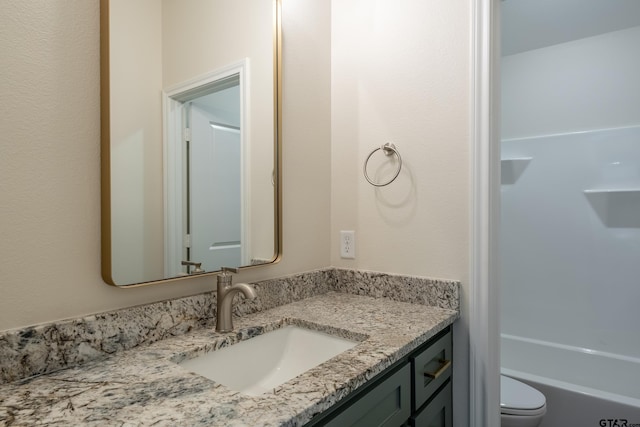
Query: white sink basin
x,y
261,363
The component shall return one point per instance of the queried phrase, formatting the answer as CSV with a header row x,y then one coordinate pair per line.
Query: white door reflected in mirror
x,y
214,197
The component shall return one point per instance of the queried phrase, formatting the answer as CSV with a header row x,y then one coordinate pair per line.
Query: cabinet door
x,y
437,413
388,404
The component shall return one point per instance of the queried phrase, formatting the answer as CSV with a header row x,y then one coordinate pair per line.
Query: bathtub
x,y
582,387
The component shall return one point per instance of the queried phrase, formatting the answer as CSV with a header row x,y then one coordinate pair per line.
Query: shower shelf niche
x,y
616,207
512,168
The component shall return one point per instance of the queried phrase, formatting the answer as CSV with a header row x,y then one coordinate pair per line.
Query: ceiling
x,y
532,24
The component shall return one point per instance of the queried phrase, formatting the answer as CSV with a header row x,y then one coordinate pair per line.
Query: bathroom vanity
x,y
398,371
415,392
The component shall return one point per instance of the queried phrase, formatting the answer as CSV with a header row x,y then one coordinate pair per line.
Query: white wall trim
x,y
173,152
484,321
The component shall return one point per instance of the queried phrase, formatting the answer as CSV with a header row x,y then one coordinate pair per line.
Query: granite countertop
x,y
144,385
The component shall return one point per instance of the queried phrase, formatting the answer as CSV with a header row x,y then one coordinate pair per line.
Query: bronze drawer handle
x,y
445,364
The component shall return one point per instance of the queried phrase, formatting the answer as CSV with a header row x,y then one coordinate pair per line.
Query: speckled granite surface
x,y
416,290
142,386
54,346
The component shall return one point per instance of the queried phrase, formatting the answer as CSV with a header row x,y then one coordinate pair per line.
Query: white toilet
x,y
520,404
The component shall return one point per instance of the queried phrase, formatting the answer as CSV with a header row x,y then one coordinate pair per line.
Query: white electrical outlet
x,y
348,244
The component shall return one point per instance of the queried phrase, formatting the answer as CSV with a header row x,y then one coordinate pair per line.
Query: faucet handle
x,y
226,270
197,265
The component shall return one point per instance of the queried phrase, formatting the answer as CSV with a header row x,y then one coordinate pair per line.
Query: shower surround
x,y
570,244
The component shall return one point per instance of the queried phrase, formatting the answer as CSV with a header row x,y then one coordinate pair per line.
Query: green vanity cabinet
x,y
431,374
415,391
388,403
437,413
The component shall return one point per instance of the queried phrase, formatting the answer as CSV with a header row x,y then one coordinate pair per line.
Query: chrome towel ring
x,y
388,150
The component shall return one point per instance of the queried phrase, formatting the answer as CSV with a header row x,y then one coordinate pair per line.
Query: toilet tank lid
x,y
517,395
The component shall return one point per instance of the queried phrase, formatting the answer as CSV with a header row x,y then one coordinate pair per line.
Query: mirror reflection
x,y
190,137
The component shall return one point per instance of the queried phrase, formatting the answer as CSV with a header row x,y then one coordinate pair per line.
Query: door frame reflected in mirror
x,y
180,235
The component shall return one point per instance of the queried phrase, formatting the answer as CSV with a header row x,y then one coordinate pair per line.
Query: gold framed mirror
x,y
190,138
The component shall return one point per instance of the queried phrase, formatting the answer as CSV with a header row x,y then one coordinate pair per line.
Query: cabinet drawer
x,y
437,413
389,404
430,369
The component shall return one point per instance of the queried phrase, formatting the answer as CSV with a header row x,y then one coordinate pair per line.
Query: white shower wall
x,y
570,259
586,84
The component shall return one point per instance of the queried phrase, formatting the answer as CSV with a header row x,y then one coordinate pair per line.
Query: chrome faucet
x,y
226,292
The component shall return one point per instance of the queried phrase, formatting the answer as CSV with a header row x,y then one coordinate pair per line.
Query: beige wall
x,y
50,161
400,74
